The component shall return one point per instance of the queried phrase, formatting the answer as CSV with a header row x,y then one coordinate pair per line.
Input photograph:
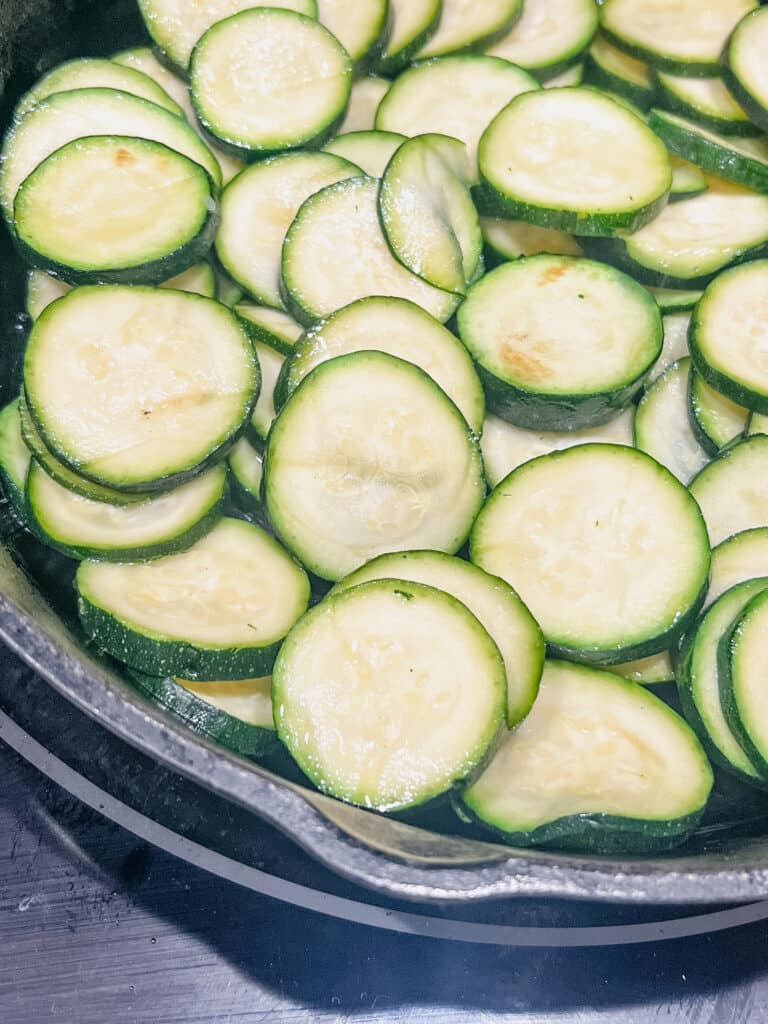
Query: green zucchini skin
x,y
671,101
691,69
389,65
727,698
596,74
12,448
757,113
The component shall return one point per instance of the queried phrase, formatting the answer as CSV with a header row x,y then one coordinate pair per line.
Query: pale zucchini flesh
x,y
271,327
412,22
615,70
741,658
574,75
663,427
675,345
247,466
364,101
675,300
715,419
14,457
512,239
650,671
470,25
549,36
270,365
359,25
744,67
733,489
740,557
371,151
687,179
706,101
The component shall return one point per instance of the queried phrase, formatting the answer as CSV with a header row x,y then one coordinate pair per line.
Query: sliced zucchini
x,y
623,175
198,279
412,22
744,68
272,327
599,764
455,96
66,116
359,25
470,25
715,419
428,215
698,682
270,363
294,92
83,528
176,25
574,75
228,292
616,71
729,334
364,101
674,36
757,424
663,427
370,456
675,344
235,713
219,610
14,458
398,328
675,300
742,161
687,180
257,209
550,36
96,73
247,466
648,671
492,601
389,694
511,239
585,535
561,343
138,388
705,101
741,557
731,489
115,210
741,665
505,447
370,151
335,252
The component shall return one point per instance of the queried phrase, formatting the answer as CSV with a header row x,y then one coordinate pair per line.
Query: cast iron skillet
x,y
726,861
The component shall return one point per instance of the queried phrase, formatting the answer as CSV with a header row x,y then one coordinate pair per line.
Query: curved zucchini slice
x,y
663,427
96,73
364,101
614,70
235,713
715,419
648,671
115,210
335,252
600,764
675,300
14,458
454,96
674,36
574,75
730,490
512,239
271,364
505,446
757,424
66,116
585,534
412,22
294,93
728,335
624,172
83,528
219,610
428,215
744,68
470,25
741,664
176,26
584,337
492,601
687,180
698,679
359,25
271,327
371,151
675,344
397,328
138,388
389,694
550,36
246,464
705,101
370,456
257,209
741,557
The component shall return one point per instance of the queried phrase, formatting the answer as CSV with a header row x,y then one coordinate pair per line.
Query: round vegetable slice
x,y
549,36
412,22
740,557
687,180
247,466
586,534
359,25
715,419
270,327
511,239
616,71
371,151
744,68
364,101
675,300
675,344
413,711
470,25
663,426
741,664
574,75
14,458
271,365
647,671
731,490
706,101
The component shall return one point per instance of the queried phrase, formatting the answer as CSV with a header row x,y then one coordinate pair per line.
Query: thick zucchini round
x,y
741,665
359,25
470,25
412,24
586,534
371,151
550,36
715,419
705,101
731,489
744,68
389,694
663,425
14,458
614,70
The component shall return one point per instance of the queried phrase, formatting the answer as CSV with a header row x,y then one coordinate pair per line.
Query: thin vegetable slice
x,y
744,68
371,151
732,490
470,25
413,22
715,419
741,664
549,36
663,427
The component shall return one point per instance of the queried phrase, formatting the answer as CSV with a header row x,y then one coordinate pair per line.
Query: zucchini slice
x,y
219,610
138,388
470,25
648,671
614,70
705,101
511,239
687,180
371,151
235,713
270,363
561,343
586,534
364,101
574,75
675,300
757,424
698,679
176,25
550,35
741,664
675,344
397,328
96,73
505,446
257,209
428,215
663,427
83,528
674,36
370,456
623,175
14,458
389,694
271,327
412,22
112,209
492,601
715,419
266,80
744,68
731,491
455,96
246,464
359,25
736,559
600,764
335,252
742,161
729,333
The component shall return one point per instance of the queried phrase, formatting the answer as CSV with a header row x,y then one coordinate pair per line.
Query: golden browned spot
x,y
522,363
553,274
123,158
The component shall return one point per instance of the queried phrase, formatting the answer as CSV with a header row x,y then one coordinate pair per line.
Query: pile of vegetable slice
x,y
398,376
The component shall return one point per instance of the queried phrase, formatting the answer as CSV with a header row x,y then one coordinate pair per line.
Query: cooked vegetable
x,y
741,670
14,458
270,327
364,101
550,36
412,24
616,71
715,419
731,489
511,239
663,426
744,68
705,101
371,151
359,25
470,25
